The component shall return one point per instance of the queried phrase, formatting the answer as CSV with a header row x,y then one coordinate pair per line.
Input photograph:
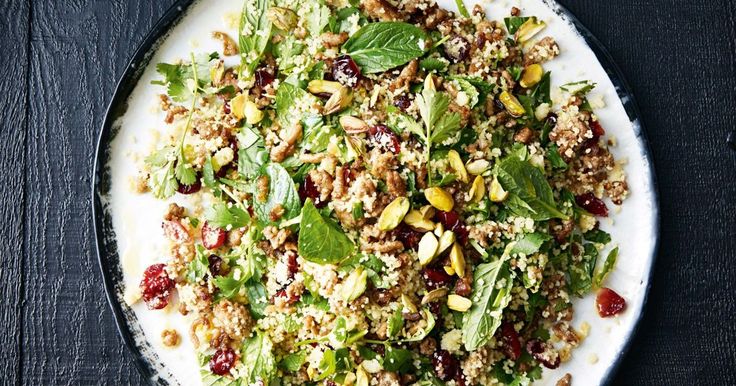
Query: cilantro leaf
x,y
221,215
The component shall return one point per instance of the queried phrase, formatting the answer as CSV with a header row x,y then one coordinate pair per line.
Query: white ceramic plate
x,y
128,225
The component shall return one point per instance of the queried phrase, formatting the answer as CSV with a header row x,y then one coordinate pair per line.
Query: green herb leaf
x,y
378,47
395,323
221,215
553,155
513,23
327,365
258,360
254,34
252,153
320,239
597,236
397,360
257,300
293,362
607,267
581,271
433,64
469,90
489,301
199,266
281,192
530,243
530,193
461,8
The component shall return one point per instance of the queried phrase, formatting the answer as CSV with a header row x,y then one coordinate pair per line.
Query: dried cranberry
x,y
175,231
345,71
435,308
290,298
156,287
510,340
540,352
552,119
384,137
291,264
592,204
597,129
609,303
189,189
460,378
445,365
215,265
435,278
408,236
264,77
222,361
457,48
451,221
226,107
402,102
464,286
212,237
309,189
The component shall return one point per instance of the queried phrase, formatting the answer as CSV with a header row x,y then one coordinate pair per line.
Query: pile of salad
x,y
373,193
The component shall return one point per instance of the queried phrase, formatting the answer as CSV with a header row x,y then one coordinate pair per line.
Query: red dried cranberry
x,y
597,129
552,119
592,204
156,287
540,352
291,264
435,308
460,378
609,303
309,189
464,286
408,236
402,102
226,107
215,265
345,71
189,189
222,361
212,237
175,231
510,340
290,298
263,77
457,48
451,221
435,278
384,137
445,365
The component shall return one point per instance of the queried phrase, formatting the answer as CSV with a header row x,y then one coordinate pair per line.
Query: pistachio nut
x,y
458,303
323,87
497,193
355,284
530,28
512,104
415,220
456,163
434,295
457,259
439,198
477,190
338,101
477,167
532,75
283,18
427,248
353,125
446,240
393,214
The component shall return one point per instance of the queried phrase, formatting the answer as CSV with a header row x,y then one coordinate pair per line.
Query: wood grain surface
x,y
61,61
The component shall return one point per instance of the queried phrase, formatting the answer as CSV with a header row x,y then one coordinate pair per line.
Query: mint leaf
x,y
529,243
581,270
607,267
381,46
484,317
281,193
293,362
252,153
254,34
529,192
320,239
258,360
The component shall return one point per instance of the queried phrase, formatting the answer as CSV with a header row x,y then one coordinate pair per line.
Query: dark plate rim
x,y
132,74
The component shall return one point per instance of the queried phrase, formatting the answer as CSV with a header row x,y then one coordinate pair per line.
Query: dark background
x,y
61,61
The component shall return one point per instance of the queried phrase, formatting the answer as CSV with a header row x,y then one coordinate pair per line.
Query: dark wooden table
x,y
60,63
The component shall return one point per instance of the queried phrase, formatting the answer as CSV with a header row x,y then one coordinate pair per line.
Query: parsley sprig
x,y
170,166
439,125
